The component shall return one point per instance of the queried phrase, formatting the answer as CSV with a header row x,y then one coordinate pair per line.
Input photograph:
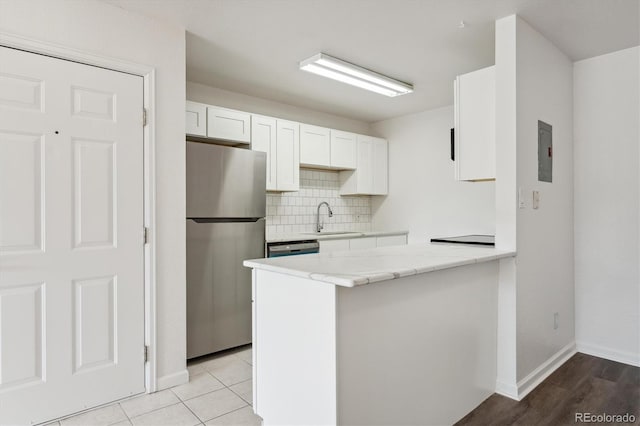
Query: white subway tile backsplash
x,y
293,212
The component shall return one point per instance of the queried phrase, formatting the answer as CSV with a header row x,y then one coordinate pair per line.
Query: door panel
x,y
71,249
94,324
21,212
263,138
288,155
93,193
380,167
315,146
218,285
23,364
225,182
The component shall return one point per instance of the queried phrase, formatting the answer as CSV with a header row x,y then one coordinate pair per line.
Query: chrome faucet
x,y
319,226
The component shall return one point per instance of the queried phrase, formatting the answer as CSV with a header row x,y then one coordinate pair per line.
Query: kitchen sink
x,y
330,233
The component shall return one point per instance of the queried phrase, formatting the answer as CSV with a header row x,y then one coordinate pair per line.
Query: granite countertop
x,y
359,267
278,238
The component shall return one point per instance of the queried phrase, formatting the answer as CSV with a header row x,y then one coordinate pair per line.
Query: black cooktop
x,y
481,240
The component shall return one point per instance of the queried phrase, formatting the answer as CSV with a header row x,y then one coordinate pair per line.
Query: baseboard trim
x,y
536,377
507,389
523,387
171,380
607,353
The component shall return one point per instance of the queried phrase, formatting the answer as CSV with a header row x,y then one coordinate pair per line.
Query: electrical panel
x,y
545,152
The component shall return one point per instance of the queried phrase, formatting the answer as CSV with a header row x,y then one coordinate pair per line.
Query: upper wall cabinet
x,y
263,138
362,159
196,119
371,174
343,150
228,124
315,146
327,148
474,133
280,139
288,155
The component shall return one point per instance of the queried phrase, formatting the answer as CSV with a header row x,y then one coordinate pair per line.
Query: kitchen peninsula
x,y
392,335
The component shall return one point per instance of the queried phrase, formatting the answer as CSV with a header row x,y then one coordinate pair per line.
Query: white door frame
x,y
148,75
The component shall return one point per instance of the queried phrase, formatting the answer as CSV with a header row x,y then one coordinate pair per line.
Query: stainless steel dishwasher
x,y
292,248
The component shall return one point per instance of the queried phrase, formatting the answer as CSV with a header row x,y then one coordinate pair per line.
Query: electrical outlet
x,y
556,321
536,200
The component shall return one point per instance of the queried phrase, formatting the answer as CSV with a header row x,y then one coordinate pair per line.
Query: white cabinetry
x,y
315,146
287,155
327,148
329,246
229,125
371,174
196,119
474,135
263,131
362,243
280,139
391,240
343,150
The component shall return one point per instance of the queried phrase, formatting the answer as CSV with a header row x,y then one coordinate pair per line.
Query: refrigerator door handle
x,y
224,219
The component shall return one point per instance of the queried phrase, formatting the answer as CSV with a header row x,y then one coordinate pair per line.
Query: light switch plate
x,y
536,200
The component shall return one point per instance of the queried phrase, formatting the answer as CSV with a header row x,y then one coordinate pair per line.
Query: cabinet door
x,y
195,119
343,150
263,138
391,240
362,243
287,156
228,124
329,246
380,167
475,125
315,147
364,171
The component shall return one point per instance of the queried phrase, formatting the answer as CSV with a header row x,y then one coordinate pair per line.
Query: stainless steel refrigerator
x,y
225,225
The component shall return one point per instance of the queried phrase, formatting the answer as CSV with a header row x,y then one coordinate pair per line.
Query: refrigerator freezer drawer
x,y
218,286
224,182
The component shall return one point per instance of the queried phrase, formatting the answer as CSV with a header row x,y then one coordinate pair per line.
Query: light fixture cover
x,y
337,69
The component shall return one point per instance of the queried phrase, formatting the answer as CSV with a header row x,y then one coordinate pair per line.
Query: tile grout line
x,y
125,413
191,411
232,411
155,409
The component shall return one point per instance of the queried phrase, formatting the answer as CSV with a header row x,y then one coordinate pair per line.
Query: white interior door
x,y
71,246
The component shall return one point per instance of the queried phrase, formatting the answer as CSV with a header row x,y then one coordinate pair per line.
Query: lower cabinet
x,y
362,243
329,246
391,240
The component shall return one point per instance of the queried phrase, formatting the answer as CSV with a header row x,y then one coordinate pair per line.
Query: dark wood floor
x,y
583,384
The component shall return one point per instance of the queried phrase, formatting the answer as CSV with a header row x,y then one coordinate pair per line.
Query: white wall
x,y
214,96
540,79
102,29
607,216
423,196
545,282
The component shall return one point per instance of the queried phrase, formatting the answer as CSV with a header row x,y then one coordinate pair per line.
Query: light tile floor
x,y
219,392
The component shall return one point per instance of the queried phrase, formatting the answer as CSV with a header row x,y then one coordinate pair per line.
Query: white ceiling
x,y
254,46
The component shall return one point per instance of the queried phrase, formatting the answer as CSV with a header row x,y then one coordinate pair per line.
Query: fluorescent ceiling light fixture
x,y
328,66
